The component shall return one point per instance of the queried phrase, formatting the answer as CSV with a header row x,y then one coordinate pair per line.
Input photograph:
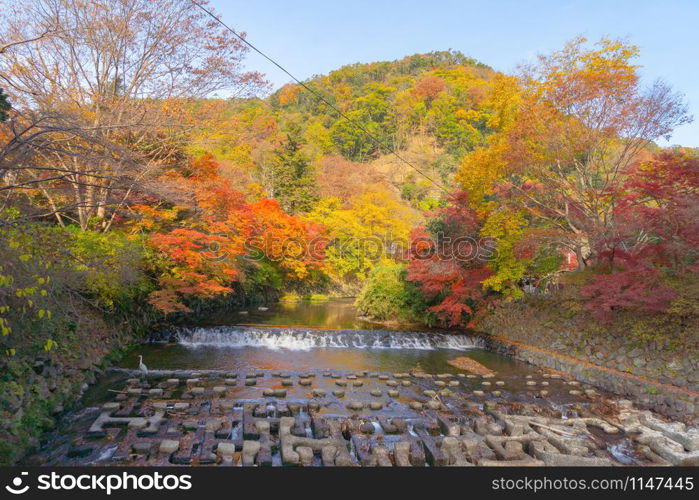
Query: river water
x,y
307,335
229,370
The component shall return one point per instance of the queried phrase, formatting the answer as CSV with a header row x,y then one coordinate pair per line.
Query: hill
x,y
429,107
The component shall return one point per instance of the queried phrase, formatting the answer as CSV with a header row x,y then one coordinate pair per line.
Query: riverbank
x,y
659,372
37,389
545,332
38,386
672,401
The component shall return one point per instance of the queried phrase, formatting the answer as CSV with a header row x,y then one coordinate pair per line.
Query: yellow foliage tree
x,y
372,228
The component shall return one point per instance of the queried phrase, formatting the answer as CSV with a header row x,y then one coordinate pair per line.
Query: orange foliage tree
x,y
199,246
296,246
196,246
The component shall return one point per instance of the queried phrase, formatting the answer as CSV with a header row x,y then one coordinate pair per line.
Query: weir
x,y
305,339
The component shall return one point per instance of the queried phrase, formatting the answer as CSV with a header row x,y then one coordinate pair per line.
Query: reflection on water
x,y
176,356
336,314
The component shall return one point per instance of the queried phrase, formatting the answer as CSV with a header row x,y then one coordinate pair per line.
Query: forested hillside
x,y
339,171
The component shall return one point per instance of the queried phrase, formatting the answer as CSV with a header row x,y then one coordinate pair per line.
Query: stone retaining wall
x,y
671,401
663,376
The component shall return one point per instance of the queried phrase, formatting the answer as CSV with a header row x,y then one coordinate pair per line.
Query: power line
x,y
322,98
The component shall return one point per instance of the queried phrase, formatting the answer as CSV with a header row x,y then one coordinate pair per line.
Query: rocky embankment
x,y
661,374
35,389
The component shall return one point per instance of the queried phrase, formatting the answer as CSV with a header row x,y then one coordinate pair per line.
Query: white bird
x,y
141,365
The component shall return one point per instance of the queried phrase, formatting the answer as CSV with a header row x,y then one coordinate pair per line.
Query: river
x,y
314,378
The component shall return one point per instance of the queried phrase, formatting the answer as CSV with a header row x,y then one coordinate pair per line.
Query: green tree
x,y
373,114
292,177
387,296
4,106
453,125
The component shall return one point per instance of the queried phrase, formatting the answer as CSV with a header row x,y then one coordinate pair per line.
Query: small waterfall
x,y
306,339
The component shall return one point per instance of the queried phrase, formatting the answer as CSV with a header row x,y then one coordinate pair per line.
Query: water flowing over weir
x,y
228,347
307,339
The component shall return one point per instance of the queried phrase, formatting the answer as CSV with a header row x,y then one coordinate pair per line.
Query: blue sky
x,y
311,37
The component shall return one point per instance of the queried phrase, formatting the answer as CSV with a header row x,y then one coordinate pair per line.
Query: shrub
x,y
387,296
317,297
67,298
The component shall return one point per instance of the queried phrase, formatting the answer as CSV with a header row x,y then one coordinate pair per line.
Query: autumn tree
x,y
655,239
448,263
92,97
198,239
206,238
565,132
368,229
241,133
295,246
